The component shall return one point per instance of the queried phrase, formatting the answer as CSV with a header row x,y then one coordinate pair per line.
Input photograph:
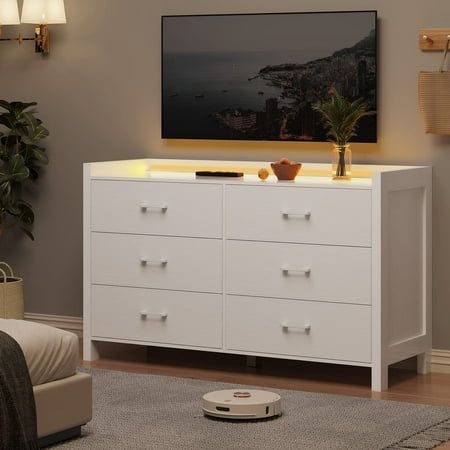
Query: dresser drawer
x,y
168,209
299,271
295,214
297,328
154,316
160,262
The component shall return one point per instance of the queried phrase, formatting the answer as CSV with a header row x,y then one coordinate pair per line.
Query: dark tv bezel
x,y
370,141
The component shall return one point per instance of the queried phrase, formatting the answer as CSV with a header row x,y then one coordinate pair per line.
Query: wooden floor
x,y
404,385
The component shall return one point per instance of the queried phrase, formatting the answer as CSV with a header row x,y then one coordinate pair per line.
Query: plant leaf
x,y
5,105
34,172
8,120
26,214
28,233
17,169
340,116
17,108
39,155
14,210
30,137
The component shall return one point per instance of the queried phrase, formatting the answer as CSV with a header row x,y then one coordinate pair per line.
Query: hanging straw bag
x,y
434,99
11,294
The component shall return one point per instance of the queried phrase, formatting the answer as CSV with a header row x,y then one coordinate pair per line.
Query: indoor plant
x,y
21,156
341,117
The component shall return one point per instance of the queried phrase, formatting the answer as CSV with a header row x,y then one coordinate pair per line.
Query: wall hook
x,y
434,38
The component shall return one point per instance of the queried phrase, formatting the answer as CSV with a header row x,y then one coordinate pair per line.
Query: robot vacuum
x,y
242,404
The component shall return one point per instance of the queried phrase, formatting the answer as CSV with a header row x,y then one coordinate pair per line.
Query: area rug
x,y
133,411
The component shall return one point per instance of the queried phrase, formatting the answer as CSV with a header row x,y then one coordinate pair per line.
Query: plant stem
x,y
341,170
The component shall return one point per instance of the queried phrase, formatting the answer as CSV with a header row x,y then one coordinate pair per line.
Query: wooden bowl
x,y
286,172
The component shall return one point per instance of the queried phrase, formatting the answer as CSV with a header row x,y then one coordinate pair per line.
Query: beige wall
x,y
99,94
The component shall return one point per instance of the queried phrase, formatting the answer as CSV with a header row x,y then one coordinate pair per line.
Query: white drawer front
x,y
294,214
181,318
160,262
168,209
308,329
299,271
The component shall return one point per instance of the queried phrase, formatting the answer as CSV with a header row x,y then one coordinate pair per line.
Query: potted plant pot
x,y
341,162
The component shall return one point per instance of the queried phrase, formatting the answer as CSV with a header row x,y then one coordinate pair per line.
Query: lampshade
x,y
43,12
9,12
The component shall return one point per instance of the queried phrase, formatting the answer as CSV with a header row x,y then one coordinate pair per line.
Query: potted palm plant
x,y
341,119
21,157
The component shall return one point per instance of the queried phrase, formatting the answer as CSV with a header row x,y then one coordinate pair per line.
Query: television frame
x,y
377,79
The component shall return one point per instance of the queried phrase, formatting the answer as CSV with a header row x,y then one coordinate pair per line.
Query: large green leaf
x,y
26,214
31,136
5,191
33,155
17,168
17,108
14,210
5,105
9,121
39,155
30,120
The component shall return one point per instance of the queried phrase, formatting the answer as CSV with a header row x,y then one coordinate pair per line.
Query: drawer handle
x,y
286,215
304,328
159,316
145,207
153,262
287,271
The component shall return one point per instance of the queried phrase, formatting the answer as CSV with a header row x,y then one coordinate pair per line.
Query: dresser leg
x,y
380,378
423,363
251,361
90,351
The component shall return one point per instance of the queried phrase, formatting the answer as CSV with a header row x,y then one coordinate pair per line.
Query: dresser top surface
x,y
175,170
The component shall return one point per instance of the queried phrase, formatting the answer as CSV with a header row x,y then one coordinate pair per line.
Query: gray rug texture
x,y
133,411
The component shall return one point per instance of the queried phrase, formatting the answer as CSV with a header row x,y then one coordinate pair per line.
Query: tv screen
x,y
257,76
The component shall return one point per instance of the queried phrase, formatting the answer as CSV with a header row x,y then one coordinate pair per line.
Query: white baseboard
x,y
440,359
68,323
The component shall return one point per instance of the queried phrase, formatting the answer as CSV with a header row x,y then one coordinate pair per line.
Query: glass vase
x,y
341,162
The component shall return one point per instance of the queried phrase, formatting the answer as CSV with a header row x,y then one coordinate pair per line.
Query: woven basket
x,y
11,294
434,99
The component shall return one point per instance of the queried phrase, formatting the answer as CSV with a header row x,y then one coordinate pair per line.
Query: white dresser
x,y
315,270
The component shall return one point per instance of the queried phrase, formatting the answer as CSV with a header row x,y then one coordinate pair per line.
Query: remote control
x,y
208,173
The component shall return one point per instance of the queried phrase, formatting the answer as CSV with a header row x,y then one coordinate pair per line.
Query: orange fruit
x,y
263,174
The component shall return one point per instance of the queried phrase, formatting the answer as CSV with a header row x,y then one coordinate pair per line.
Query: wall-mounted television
x,y
257,76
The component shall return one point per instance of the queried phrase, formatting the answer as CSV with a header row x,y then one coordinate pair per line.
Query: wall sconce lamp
x,y
40,12
9,13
